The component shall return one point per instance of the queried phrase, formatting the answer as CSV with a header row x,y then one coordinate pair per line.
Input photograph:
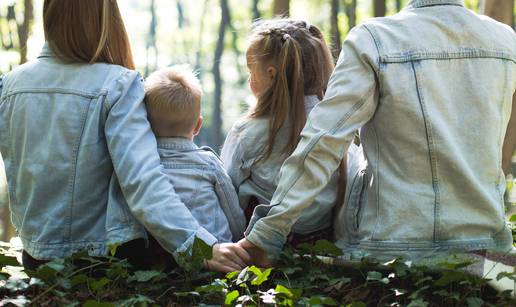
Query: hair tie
x,y
286,36
307,25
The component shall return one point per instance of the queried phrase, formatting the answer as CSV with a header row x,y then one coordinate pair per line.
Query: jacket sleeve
x,y
133,149
349,103
228,200
233,159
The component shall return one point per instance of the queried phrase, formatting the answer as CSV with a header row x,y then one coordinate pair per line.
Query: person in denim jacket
x,y
431,89
173,100
82,163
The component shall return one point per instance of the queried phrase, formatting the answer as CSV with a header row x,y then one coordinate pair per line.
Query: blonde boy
x,y
173,100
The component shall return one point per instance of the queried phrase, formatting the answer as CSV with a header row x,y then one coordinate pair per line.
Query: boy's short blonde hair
x,y
173,99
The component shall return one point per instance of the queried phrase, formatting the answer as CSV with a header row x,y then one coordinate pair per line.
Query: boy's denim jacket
x,y
82,163
431,89
243,146
203,185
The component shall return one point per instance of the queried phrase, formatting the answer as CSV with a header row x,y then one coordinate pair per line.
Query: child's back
x,y
203,186
173,100
259,179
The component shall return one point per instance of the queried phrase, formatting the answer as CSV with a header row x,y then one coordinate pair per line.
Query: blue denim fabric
x,y
203,185
431,90
243,146
82,163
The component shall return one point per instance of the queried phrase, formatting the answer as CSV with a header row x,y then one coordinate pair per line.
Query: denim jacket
x,y
203,185
82,163
431,90
243,147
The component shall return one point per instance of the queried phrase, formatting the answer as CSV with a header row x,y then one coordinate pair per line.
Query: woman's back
x,y
53,122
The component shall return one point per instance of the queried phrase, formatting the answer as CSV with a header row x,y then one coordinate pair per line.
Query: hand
x,y
228,257
259,256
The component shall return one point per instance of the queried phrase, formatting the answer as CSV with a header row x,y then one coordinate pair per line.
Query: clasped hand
x,y
229,257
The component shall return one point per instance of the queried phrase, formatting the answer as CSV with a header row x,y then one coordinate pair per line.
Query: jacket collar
x,y
423,3
46,51
176,143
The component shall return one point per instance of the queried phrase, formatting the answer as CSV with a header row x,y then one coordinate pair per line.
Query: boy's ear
x,y
198,126
271,72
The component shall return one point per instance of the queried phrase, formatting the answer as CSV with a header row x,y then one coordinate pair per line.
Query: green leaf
x,y
449,277
322,300
325,247
79,279
99,284
418,303
137,300
510,275
93,303
377,276
512,218
231,296
357,304
15,285
144,276
261,277
474,302
8,260
232,275
112,248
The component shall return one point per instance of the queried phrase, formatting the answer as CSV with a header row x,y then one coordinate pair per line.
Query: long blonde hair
x,y
89,31
304,65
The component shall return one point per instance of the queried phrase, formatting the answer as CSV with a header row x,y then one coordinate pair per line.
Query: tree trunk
x,y
24,29
351,13
335,31
501,10
151,41
216,126
256,10
200,41
281,8
379,8
398,5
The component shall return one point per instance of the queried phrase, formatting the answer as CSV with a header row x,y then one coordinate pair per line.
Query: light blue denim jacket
x,y
203,185
431,90
243,146
82,163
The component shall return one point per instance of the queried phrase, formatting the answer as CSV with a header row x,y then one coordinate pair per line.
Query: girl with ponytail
x,y
289,65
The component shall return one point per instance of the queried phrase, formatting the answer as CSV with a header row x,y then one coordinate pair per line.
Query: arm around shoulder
x,y
133,149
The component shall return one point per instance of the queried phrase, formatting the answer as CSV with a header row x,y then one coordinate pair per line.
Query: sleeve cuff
x,y
202,234
266,238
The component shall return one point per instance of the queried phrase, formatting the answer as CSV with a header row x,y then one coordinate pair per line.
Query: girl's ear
x,y
271,72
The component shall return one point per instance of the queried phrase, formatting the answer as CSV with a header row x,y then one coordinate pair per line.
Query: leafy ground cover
x,y
296,281
302,277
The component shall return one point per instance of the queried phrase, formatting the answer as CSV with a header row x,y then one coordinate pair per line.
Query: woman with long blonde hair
x,y
81,160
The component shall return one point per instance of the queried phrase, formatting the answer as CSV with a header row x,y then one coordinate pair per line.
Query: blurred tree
x,y
335,31
216,126
20,26
255,10
200,36
379,8
281,8
151,40
501,10
351,13
398,5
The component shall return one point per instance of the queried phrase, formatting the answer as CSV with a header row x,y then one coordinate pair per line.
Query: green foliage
x,y
300,278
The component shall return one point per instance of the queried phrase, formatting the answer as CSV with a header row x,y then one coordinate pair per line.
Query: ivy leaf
x,y
474,302
137,300
377,276
15,285
261,277
99,284
93,303
112,248
512,218
8,260
357,304
448,277
322,300
231,296
79,279
19,301
144,276
325,247
417,303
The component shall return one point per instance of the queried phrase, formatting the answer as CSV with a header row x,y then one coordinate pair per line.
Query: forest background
x,y
211,36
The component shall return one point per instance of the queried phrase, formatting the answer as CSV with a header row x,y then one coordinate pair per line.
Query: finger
x,y
232,256
216,266
243,254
